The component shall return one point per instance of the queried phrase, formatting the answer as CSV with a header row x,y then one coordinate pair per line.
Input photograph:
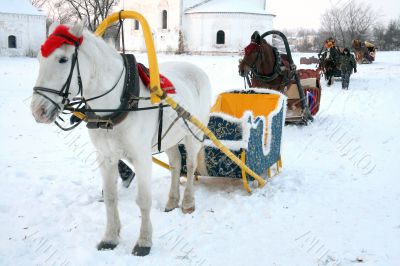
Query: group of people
x,y
345,59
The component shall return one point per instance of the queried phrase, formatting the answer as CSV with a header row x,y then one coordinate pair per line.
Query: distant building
x,y
195,26
22,28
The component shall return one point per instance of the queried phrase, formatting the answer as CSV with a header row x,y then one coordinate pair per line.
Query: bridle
x,y
252,46
79,107
78,102
254,73
64,92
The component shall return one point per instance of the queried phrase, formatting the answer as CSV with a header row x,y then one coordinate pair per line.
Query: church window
x,y
220,37
164,19
12,41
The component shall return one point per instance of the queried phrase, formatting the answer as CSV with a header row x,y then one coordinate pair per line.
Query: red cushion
x,y
165,83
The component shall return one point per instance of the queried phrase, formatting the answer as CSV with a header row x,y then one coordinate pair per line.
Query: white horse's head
x,y
57,82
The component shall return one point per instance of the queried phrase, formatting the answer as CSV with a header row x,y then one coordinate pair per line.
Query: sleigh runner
x,y
250,124
127,130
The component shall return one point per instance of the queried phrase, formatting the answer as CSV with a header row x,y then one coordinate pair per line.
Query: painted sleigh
x,y
250,124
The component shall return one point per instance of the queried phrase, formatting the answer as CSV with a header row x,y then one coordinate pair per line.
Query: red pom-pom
x,y
60,36
250,48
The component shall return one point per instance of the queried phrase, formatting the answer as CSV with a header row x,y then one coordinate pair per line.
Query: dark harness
x,y
276,71
129,99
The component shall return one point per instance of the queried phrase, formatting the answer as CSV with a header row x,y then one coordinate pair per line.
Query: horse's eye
x,y
63,60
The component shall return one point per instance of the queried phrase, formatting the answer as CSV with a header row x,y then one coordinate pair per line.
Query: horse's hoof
x,y
106,245
188,210
141,251
168,209
172,204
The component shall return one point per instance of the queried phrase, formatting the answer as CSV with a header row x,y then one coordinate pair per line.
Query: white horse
x,y
135,138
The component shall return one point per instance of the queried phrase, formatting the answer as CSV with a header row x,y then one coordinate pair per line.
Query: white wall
x,y
201,29
166,40
29,30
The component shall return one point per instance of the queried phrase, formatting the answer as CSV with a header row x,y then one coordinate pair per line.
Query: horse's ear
x,y
77,29
53,26
255,37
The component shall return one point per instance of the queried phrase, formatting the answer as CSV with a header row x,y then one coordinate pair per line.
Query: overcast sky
x,y
307,13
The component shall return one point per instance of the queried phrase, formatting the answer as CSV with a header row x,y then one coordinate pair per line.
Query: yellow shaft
x,y
158,93
148,38
216,142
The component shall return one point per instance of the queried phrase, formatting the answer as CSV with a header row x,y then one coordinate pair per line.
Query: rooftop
x,y
227,6
19,7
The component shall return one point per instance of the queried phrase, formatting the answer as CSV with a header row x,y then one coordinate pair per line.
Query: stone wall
x,y
29,30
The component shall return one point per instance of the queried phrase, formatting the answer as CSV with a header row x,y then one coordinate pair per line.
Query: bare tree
x,y
55,10
90,11
38,3
353,20
379,36
392,35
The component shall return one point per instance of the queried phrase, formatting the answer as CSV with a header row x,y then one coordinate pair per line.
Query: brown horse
x,y
264,65
364,51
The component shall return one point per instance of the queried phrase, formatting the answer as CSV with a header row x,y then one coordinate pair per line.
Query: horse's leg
x,y
142,163
174,157
109,172
192,148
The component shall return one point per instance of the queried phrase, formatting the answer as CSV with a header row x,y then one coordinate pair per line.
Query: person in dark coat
x,y
347,64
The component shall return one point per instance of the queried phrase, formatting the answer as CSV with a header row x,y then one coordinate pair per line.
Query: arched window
x,y
136,24
164,19
12,41
220,37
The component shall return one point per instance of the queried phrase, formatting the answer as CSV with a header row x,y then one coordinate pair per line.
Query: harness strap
x,y
160,125
121,24
276,71
131,87
168,129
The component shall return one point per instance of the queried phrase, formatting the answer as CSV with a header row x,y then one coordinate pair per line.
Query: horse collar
x,y
276,71
129,98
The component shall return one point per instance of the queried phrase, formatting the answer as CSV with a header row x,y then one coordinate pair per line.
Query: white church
x,y
197,26
22,28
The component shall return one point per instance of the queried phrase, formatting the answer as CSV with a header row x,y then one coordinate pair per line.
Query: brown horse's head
x,y
258,56
263,64
356,44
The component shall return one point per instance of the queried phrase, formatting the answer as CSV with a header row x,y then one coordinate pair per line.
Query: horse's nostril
x,y
41,111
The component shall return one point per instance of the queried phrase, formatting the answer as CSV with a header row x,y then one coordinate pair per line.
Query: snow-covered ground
x,y
337,201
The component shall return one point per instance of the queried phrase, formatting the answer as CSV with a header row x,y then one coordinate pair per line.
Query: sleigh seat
x,y
250,124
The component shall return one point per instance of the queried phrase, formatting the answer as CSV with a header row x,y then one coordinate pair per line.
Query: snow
x,y
335,203
227,6
19,7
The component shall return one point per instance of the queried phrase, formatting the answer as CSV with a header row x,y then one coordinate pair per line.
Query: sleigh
x,y
250,124
309,60
273,70
364,51
310,84
243,136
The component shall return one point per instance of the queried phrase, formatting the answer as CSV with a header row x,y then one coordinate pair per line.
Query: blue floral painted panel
x,y
218,164
225,130
255,158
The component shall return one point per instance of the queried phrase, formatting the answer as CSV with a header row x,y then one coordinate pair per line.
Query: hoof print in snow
x,y
106,246
141,251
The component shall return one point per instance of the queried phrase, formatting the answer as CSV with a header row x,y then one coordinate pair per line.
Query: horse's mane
x,y
264,44
99,42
